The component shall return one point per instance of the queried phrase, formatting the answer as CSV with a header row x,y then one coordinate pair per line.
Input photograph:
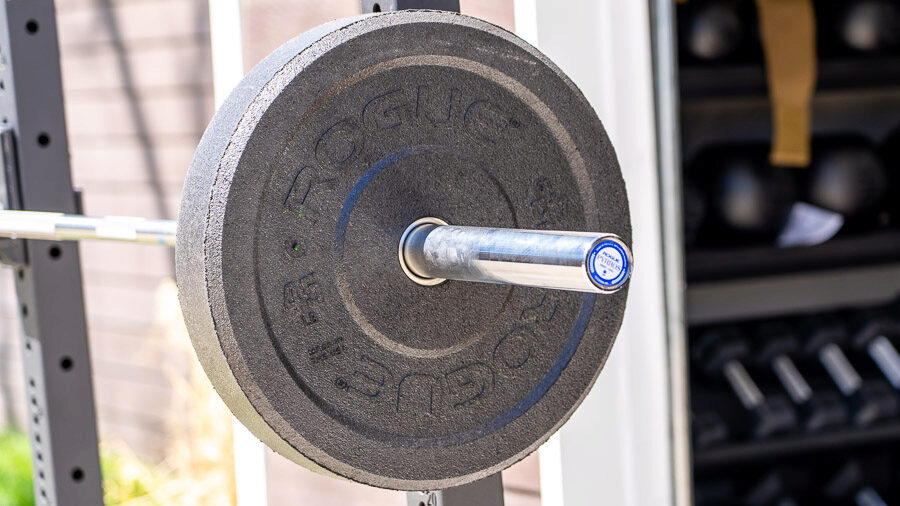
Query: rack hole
x,y
376,8
21,273
77,474
30,381
37,438
28,347
31,26
55,252
41,474
43,139
24,310
66,363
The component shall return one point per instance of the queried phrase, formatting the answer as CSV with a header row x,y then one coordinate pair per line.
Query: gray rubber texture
x,y
287,249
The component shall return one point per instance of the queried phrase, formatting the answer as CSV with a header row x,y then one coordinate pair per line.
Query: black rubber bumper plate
x,y
288,234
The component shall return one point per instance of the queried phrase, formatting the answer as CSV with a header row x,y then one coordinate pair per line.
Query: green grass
x,y
15,470
125,477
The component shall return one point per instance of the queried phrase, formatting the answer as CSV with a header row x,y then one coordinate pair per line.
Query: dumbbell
x,y
711,31
870,331
846,176
715,492
869,25
820,410
749,197
871,401
770,490
718,352
849,483
708,429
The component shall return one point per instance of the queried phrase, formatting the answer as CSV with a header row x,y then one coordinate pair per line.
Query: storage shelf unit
x,y
796,446
700,82
730,263
747,284
786,294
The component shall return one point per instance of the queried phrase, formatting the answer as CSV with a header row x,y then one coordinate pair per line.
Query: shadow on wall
x,y
199,115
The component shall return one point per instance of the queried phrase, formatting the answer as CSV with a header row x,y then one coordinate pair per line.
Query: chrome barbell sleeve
x,y
432,251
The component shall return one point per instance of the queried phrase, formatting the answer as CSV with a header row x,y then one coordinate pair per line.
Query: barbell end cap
x,y
609,264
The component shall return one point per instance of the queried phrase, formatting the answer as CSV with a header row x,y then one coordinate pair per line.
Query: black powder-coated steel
x,y
56,363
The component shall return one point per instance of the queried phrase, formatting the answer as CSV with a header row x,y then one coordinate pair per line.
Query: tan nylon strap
x,y
787,29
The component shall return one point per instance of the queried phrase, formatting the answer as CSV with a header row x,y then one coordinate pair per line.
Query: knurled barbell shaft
x,y
432,251
72,227
429,252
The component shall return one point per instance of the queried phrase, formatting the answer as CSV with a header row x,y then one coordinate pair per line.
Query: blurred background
x,y
792,243
785,152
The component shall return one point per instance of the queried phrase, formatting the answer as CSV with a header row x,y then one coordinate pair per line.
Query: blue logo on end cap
x,y
608,264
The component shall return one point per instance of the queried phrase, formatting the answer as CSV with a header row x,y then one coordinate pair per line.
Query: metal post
x,y
399,5
55,347
485,492
605,48
664,59
227,47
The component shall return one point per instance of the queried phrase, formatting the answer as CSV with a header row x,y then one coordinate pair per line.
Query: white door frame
x,y
227,49
618,447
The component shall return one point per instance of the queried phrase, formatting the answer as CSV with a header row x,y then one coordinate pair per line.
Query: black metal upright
x,y
62,420
399,5
488,491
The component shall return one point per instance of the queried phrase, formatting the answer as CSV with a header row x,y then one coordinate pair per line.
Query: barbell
x,y
335,209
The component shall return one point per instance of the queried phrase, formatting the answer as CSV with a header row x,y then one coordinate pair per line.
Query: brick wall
x,y
138,95
137,83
